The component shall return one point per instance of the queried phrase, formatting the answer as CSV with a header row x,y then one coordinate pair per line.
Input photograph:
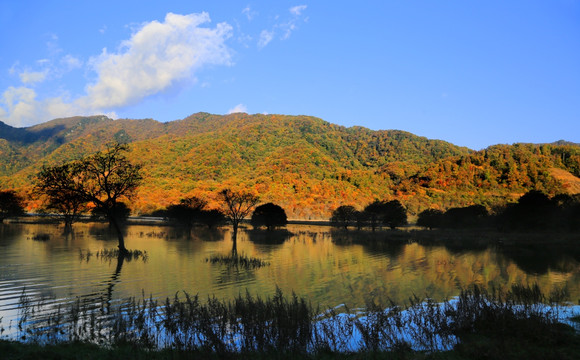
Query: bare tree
x,y
237,205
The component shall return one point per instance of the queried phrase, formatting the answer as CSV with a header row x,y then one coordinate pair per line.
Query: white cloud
x,y
19,107
265,38
297,10
57,107
244,39
20,103
47,70
155,59
288,28
52,44
159,56
31,77
71,62
285,27
240,108
13,68
250,14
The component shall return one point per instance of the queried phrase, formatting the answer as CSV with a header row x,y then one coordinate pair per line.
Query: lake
x,y
45,263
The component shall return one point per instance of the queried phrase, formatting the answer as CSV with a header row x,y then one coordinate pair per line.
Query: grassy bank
x,y
521,323
480,349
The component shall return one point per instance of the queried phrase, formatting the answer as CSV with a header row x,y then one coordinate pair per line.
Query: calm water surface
x,y
309,264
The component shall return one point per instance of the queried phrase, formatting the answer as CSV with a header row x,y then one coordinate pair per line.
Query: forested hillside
x,y
305,164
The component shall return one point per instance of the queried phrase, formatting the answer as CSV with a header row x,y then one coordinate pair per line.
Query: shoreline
x,y
412,229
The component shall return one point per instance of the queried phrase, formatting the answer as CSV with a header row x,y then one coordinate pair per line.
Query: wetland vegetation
x,y
383,293
519,323
487,279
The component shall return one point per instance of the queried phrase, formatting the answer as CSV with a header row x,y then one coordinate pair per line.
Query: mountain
x,y
303,163
564,142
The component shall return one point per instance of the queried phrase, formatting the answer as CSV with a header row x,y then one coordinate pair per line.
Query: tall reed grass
x,y
251,324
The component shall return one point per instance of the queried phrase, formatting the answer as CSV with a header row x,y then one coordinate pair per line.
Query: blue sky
x,y
475,73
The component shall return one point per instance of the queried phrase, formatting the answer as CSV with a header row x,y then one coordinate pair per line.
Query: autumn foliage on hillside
x,y
306,165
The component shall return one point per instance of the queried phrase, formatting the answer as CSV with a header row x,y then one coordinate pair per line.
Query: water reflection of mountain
x,y
438,271
533,255
326,267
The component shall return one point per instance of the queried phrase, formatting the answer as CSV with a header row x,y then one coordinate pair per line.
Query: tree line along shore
x,y
102,184
486,324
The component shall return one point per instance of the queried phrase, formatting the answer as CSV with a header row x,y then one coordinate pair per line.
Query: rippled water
x,y
309,263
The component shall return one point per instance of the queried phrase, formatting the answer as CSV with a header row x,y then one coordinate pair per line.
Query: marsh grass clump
x,y
245,324
41,237
522,322
113,254
238,261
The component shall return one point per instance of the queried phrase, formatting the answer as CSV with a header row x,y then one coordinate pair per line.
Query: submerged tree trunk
x,y
68,221
113,221
235,239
